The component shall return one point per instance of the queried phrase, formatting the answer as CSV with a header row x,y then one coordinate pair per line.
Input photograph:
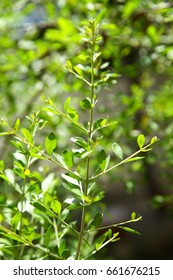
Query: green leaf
x,y
63,251
48,182
53,111
1,166
40,207
15,237
28,232
67,103
99,123
18,145
99,196
17,124
68,158
20,157
133,216
43,208
83,57
6,133
96,55
61,160
96,221
74,206
130,230
117,150
79,69
47,236
50,143
56,206
16,219
133,159
73,189
26,133
73,114
141,141
78,152
100,240
79,141
69,65
86,103
10,176
129,7
71,180
104,65
103,160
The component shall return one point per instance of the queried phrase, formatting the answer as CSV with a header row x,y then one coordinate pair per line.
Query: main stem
x,y
85,190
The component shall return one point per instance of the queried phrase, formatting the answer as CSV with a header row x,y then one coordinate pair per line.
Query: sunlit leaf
x,y
96,55
100,240
80,141
67,103
73,114
86,103
131,230
69,64
1,166
17,124
50,143
27,134
71,180
133,215
133,159
61,160
99,123
16,219
141,141
117,150
79,69
10,175
56,206
68,158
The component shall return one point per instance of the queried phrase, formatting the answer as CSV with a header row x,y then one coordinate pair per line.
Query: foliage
x,y
79,180
136,40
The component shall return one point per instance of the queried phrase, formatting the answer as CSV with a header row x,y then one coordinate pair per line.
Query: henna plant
x,y
38,220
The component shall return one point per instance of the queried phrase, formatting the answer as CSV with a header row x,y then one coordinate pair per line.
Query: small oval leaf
x,y
141,141
10,175
131,230
56,206
50,143
79,69
117,150
68,158
67,104
86,103
17,124
26,133
133,216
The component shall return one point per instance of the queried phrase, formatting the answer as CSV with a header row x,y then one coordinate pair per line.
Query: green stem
x,y
115,225
144,149
85,190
